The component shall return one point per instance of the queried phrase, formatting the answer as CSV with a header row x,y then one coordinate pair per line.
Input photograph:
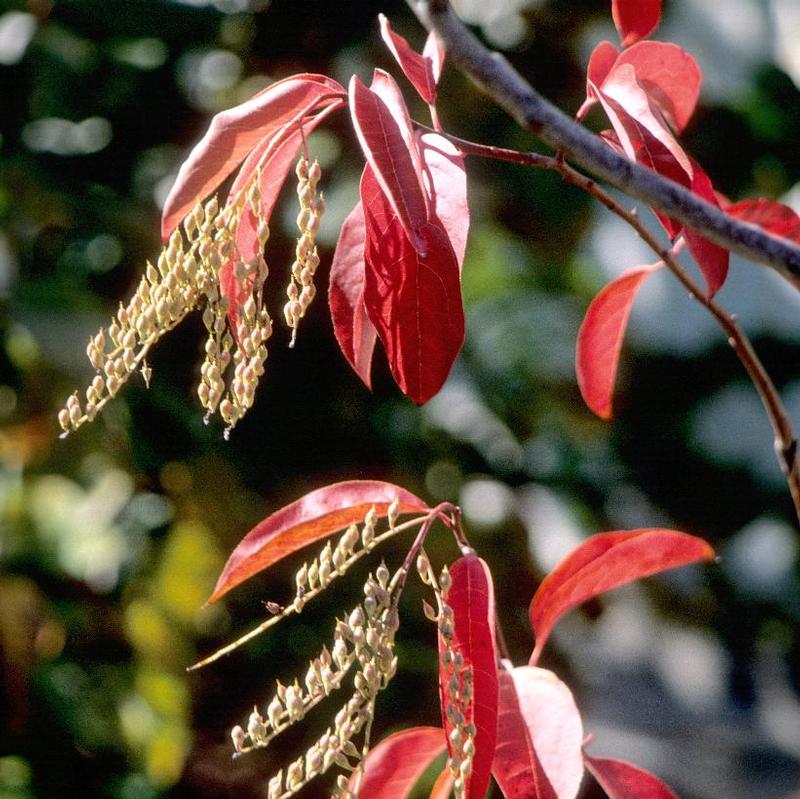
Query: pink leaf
x,y
315,516
516,766
541,746
632,115
471,596
606,561
233,133
388,155
417,68
670,77
445,180
394,766
774,217
635,19
621,780
354,331
435,53
600,338
413,300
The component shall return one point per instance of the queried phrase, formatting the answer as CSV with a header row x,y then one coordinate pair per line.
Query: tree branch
x,y
493,73
785,438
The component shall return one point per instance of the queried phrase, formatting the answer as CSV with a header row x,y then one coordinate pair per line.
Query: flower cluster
x,y
364,639
301,289
189,275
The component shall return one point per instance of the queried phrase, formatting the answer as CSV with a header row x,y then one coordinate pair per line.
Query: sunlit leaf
x,y
539,737
606,561
387,153
233,134
313,517
445,180
417,68
600,338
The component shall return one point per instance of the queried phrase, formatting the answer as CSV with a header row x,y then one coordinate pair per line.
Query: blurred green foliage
x,y
112,539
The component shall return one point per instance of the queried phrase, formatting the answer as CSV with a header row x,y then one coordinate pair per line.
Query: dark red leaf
x,y
413,300
471,596
621,780
393,767
606,561
417,68
635,19
600,338
354,331
315,516
233,133
539,736
669,75
445,180
772,216
712,259
443,787
391,161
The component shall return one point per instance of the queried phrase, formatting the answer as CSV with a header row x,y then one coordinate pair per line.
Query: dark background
x,y
113,538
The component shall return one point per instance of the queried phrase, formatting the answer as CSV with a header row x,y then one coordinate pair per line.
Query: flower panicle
x,y
201,267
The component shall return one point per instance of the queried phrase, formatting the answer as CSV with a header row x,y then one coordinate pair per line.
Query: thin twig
x,y
506,87
785,438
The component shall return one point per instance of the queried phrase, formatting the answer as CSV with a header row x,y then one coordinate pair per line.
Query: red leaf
x,y
621,780
606,561
443,787
385,86
471,596
712,259
445,180
772,216
354,331
540,734
600,338
635,19
413,300
417,68
670,77
434,51
233,133
393,767
311,518
601,62
392,164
